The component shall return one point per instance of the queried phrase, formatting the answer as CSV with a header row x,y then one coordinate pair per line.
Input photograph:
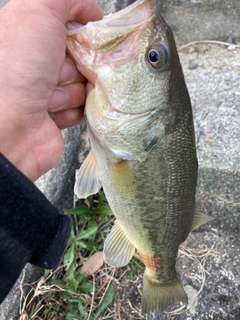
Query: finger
x,y
67,97
69,73
83,11
68,118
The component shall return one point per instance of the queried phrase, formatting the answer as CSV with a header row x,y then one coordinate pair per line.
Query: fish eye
x,y
157,56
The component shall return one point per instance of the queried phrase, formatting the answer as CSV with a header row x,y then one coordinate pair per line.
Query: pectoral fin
x,y
200,218
118,250
87,181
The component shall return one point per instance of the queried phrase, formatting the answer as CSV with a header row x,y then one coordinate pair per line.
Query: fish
x,y
143,154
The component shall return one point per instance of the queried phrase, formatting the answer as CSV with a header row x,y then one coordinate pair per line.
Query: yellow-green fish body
x,y
143,153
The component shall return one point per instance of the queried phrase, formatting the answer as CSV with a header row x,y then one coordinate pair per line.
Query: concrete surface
x,y
3,2
203,19
194,19
213,78
9,309
57,184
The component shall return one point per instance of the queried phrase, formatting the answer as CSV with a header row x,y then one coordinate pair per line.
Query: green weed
x,y
66,292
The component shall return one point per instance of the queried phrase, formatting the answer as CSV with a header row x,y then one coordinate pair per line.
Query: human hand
x,y
41,90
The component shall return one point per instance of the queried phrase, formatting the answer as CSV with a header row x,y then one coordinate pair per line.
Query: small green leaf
x,y
82,220
59,282
93,246
91,202
107,299
65,295
106,210
87,287
69,256
73,312
80,277
70,273
47,273
73,283
92,223
81,245
100,200
78,210
133,270
80,308
85,234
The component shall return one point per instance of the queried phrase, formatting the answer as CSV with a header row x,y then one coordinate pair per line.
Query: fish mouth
x,y
96,41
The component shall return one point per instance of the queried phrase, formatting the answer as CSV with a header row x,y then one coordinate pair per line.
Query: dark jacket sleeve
x,y
31,228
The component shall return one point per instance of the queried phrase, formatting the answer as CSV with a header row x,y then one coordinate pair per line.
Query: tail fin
x,y
156,297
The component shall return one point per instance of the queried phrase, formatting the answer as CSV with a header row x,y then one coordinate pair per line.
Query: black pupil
x,y
153,56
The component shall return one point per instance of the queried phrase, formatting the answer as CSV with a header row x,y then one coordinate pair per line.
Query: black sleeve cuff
x,y
31,228
52,257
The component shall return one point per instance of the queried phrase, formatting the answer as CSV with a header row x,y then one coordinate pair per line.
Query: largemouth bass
x,y
140,126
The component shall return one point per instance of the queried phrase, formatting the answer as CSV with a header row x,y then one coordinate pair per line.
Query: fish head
x,y
131,62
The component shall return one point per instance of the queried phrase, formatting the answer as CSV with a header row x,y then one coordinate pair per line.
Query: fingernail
x,y
51,115
58,100
73,25
68,73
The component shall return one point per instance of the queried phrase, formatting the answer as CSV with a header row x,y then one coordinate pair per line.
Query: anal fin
x,y
87,181
118,249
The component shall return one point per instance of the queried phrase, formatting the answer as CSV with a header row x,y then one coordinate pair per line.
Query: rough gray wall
x,y
193,20
2,2
203,19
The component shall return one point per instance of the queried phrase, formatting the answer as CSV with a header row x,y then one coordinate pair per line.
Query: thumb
x,y
81,11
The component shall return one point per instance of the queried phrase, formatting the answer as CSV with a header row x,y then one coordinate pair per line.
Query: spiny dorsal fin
x,y
118,250
87,181
200,218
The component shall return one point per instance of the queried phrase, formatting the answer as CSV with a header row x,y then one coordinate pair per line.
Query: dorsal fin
x,y
118,249
87,181
200,218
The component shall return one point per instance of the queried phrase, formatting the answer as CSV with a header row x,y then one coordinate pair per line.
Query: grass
x,y
66,292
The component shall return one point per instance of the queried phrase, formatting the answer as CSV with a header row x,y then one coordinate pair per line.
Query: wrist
x,y
15,148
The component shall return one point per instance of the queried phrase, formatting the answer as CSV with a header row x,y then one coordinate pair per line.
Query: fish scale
x,y
143,155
